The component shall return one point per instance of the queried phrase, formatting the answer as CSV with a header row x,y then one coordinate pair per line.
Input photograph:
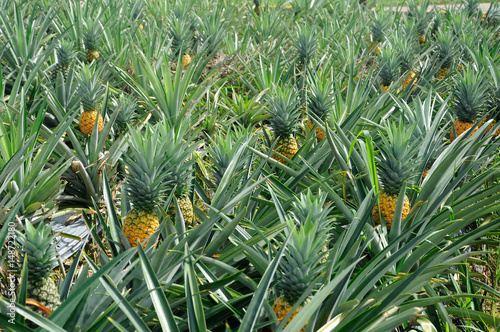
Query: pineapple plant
x,y
304,255
126,112
422,19
90,92
395,167
469,93
388,63
445,52
147,184
65,54
305,44
380,23
91,40
406,58
179,161
284,119
39,247
320,101
180,33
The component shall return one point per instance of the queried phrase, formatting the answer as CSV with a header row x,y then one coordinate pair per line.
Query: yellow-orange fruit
x,y
461,127
87,121
139,225
388,208
287,146
281,307
186,60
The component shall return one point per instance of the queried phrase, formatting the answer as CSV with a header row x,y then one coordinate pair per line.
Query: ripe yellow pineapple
x,y
186,207
90,92
186,60
469,93
146,174
395,167
284,119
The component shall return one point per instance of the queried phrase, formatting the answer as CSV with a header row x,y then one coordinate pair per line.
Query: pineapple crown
x,y
380,23
181,34
305,44
90,90
284,111
320,99
311,207
396,158
92,36
445,48
301,264
388,62
223,149
65,52
471,8
469,92
178,156
421,16
405,50
126,111
147,168
39,246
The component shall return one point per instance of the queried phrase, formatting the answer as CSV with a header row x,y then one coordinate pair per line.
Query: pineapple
x,y
180,163
126,112
91,40
256,6
147,183
422,19
65,54
445,53
378,28
39,246
388,63
181,35
90,92
395,167
469,93
284,120
304,254
406,53
319,104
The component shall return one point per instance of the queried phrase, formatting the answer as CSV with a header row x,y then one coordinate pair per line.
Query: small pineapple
x,y
303,258
379,26
65,54
90,92
91,40
395,167
181,34
180,163
39,246
319,104
406,58
388,63
284,120
422,19
147,184
445,52
256,6
469,94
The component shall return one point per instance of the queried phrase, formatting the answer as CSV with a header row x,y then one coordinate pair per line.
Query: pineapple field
x,y
303,165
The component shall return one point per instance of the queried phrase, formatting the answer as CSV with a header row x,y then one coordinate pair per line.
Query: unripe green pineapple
x,y
39,246
395,166
284,120
91,93
305,252
65,54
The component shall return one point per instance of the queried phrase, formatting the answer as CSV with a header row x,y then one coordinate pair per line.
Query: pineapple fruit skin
x,y
87,120
186,60
92,55
461,127
186,207
139,225
281,308
46,292
441,73
388,207
288,147
320,134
